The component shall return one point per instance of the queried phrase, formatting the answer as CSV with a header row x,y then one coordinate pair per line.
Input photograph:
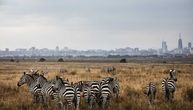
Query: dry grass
x,y
133,77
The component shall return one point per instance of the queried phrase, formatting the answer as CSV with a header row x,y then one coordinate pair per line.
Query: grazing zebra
x,y
150,91
169,86
110,69
30,80
66,93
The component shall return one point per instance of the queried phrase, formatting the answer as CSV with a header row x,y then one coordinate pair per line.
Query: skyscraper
x,y
164,47
180,47
189,45
57,48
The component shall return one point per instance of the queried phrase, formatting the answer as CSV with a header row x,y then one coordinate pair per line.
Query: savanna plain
x,y
132,77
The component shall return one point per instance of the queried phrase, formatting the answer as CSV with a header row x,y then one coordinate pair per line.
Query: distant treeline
x,y
98,59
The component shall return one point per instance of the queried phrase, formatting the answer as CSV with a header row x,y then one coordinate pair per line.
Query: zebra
x,y
110,69
77,90
105,94
100,92
30,80
66,93
89,96
169,85
150,91
47,90
113,84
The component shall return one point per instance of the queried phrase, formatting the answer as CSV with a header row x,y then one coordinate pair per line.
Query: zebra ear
x,y
24,73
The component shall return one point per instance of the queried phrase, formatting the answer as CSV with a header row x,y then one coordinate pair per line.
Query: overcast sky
x,y
95,24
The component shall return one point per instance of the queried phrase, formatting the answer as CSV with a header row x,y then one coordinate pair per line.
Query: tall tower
x,y
180,42
57,48
164,47
189,45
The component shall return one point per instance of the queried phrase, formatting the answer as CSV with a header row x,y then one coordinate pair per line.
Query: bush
x,y
73,72
42,60
123,60
164,62
189,94
12,60
60,60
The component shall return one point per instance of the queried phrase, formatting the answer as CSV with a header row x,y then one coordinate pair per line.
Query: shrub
x,y
164,62
12,60
123,60
42,60
189,94
73,72
60,60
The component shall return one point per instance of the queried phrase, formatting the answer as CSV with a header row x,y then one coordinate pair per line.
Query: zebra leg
x,y
172,95
77,105
45,102
34,98
40,98
104,103
61,105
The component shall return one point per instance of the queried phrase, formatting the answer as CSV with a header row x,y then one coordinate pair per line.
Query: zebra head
x,y
25,79
173,75
57,83
108,79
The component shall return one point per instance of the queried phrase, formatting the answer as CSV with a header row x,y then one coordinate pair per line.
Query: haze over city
x,y
95,24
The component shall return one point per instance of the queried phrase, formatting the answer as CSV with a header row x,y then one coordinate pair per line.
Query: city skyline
x,y
163,44
94,24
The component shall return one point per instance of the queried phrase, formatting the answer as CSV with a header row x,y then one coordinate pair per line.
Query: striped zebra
x,y
169,86
150,91
66,93
105,94
77,90
90,90
101,93
46,89
30,80
113,84
109,69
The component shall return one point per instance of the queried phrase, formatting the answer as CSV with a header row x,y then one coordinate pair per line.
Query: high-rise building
x,y
7,49
57,48
180,46
164,47
189,45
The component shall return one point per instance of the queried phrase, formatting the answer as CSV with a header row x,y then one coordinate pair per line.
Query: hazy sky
x,y
93,24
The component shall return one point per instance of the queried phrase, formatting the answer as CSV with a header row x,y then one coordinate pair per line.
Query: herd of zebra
x,y
168,87
100,92
68,95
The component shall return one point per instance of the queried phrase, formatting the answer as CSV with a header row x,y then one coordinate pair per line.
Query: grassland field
x,y
133,77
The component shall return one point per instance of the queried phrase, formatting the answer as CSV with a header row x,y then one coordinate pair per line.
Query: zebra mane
x,y
29,75
40,75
